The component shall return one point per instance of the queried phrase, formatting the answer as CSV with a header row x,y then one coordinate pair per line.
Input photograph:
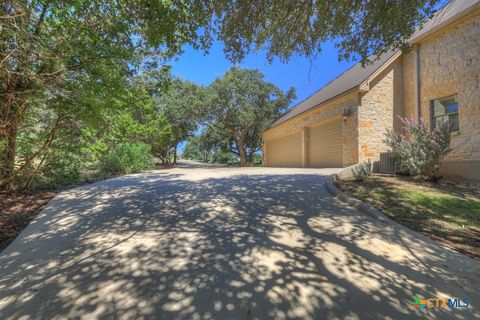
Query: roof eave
x,y
362,88
345,93
365,85
454,18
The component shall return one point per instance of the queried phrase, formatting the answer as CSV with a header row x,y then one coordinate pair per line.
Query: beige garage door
x,y
285,152
325,144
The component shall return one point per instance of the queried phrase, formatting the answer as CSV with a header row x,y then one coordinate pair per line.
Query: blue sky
x,y
305,75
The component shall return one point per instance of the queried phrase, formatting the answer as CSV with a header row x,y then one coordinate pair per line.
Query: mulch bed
x,y
16,212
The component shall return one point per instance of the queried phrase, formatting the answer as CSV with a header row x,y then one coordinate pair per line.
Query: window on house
x,y
445,110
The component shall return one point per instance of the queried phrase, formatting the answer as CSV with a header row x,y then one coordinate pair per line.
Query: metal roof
x,y
348,80
451,12
357,74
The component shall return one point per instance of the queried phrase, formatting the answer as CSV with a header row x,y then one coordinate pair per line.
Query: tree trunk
x,y
242,152
175,152
35,172
9,117
8,146
163,154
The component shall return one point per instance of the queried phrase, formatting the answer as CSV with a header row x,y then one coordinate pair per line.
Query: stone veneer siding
x,y
376,112
449,63
350,135
319,114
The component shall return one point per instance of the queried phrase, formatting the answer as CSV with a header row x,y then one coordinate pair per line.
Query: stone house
x,y
345,122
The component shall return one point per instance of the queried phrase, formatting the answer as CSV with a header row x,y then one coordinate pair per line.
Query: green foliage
x,y
92,148
55,149
286,28
209,146
158,134
362,171
69,72
47,150
225,157
60,170
419,149
199,147
257,159
76,62
180,104
240,106
193,151
128,158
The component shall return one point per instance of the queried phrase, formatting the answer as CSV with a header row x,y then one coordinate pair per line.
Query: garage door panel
x,y
285,152
325,145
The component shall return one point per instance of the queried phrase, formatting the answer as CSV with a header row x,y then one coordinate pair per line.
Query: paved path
x,y
224,243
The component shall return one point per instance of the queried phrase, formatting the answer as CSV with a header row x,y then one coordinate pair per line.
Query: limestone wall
x,y
323,112
449,63
376,112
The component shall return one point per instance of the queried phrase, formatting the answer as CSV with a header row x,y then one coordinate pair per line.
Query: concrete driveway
x,y
224,243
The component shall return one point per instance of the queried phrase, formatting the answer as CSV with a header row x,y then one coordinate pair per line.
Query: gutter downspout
x,y
416,50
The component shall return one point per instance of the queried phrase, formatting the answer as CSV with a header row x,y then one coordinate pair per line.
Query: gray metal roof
x,y
348,80
451,12
357,74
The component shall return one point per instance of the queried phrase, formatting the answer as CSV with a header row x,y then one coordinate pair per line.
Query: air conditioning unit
x,y
388,163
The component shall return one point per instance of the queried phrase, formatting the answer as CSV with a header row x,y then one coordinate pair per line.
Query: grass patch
x,y
447,212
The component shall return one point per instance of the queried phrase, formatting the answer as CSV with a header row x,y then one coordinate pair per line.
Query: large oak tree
x,y
241,105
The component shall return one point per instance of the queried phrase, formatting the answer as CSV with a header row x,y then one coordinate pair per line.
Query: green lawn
x,y
445,211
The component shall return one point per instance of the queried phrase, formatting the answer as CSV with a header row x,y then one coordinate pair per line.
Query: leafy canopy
x,y
241,105
289,27
181,106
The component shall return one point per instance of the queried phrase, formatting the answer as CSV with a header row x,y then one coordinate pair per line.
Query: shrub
x,y
362,171
420,150
59,172
52,176
128,158
220,156
58,166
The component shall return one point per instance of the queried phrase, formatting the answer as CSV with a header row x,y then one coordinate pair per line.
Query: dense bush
x,y
362,171
419,149
128,158
60,170
225,157
47,154
257,159
52,176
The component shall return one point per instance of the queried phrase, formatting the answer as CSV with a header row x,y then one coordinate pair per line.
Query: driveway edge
x,y
357,204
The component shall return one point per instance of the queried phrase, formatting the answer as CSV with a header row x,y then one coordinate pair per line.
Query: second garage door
x,y
285,152
325,144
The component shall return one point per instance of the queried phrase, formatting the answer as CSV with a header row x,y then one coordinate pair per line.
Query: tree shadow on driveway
x,y
172,245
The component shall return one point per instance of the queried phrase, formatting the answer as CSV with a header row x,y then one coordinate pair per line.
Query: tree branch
x,y
42,17
46,144
13,16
